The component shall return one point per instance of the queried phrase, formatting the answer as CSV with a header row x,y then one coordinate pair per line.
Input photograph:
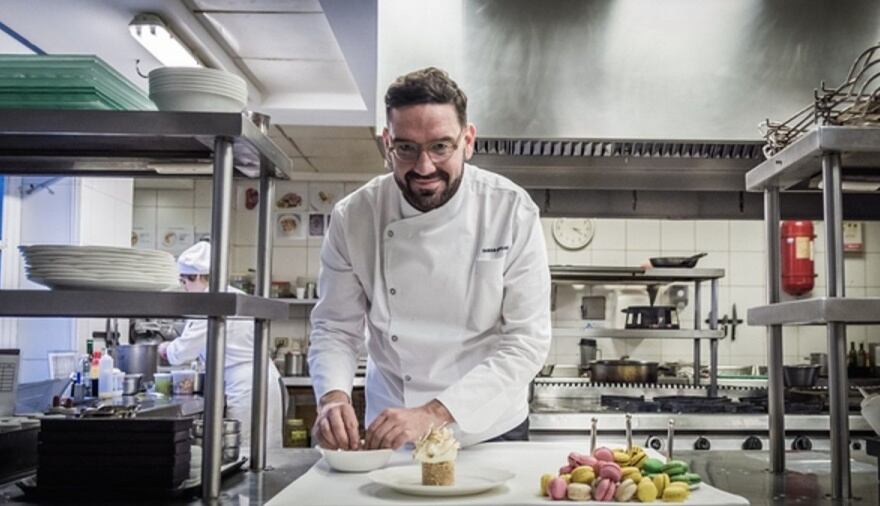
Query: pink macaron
x,y
604,490
604,454
581,459
557,489
566,469
610,470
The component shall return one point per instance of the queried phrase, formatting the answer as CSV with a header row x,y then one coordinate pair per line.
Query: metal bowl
x,y
801,375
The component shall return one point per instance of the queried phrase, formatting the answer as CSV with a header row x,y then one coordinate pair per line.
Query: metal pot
x,y
199,385
131,384
800,375
588,353
137,358
820,359
623,371
294,364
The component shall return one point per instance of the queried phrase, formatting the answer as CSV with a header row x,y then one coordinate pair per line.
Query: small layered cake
x,y
437,451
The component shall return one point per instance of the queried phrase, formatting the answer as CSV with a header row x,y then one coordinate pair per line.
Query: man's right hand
x,y
336,426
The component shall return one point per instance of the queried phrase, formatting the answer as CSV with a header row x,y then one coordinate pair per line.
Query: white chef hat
x,y
196,259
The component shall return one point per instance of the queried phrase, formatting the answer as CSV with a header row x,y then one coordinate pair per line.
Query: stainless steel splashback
x,y
647,69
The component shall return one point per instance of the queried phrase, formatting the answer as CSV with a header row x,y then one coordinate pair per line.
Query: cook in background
x,y
439,269
195,265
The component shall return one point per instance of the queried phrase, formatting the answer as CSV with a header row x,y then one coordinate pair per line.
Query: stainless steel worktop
x,y
306,381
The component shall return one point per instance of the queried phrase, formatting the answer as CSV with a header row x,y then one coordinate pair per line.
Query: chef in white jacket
x,y
439,269
194,265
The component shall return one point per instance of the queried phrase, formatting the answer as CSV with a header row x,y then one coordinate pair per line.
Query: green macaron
x,y
689,478
675,467
653,466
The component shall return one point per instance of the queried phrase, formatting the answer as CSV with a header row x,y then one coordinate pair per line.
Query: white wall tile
x,y
242,259
289,262
576,257
643,235
854,269
174,198
819,268
746,269
819,232
547,228
609,258
746,235
677,235
872,269
712,235
635,258
872,236
174,217
609,235
244,227
145,198
202,220
203,193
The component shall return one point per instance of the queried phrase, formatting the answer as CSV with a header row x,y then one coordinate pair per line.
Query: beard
x,y
426,199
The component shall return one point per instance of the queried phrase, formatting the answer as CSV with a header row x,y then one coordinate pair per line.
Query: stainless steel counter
x,y
305,381
243,488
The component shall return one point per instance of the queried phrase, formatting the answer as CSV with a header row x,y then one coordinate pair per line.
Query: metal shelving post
x,y
697,323
262,327
713,343
216,345
835,287
775,393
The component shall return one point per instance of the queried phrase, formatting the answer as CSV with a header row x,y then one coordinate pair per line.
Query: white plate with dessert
x,y
469,480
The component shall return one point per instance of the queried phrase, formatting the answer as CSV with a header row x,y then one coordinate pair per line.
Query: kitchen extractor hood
x,y
623,96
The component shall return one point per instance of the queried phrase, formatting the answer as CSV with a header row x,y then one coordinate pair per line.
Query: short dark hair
x,y
426,86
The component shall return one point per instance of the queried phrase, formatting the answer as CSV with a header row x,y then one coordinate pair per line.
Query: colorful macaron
x,y
653,466
604,490
689,478
579,492
557,489
646,491
583,474
631,473
661,481
674,467
625,491
604,454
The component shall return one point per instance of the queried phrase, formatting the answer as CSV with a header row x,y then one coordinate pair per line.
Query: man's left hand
x,y
395,427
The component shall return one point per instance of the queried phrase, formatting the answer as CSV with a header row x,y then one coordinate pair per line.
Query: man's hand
x,y
163,350
395,427
336,426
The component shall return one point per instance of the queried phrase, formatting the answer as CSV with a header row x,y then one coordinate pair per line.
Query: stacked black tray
x,y
149,456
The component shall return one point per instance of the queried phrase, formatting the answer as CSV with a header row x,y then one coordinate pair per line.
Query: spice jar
x,y
295,433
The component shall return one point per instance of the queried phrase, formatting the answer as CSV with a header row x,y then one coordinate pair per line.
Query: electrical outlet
x,y
281,342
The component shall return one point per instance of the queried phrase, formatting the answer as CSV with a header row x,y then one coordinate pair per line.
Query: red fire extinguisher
x,y
798,271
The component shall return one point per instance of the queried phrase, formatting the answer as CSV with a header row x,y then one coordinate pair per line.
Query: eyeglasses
x,y
438,151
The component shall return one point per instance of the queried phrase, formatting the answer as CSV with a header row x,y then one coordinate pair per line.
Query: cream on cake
x,y
437,451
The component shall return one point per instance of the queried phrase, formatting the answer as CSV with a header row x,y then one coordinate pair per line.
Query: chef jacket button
x,y
390,233
393,291
408,377
394,338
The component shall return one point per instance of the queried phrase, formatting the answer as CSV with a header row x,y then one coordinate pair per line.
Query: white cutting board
x,y
321,486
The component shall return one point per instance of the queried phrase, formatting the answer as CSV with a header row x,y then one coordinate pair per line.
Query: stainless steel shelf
x,y
689,334
299,302
101,304
817,311
129,143
859,148
629,275
685,422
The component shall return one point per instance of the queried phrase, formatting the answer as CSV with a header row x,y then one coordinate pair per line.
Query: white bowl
x,y
196,101
871,412
356,461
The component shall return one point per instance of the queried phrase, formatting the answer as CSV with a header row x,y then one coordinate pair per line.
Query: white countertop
x,y
321,486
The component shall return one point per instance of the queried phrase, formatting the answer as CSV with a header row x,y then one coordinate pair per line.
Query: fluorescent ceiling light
x,y
152,33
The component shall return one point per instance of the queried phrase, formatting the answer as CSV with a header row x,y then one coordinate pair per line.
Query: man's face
x,y
426,148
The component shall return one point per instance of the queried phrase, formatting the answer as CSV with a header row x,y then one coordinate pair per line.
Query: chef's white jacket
x,y
238,371
452,304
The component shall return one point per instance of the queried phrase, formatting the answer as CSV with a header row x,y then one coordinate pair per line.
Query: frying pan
x,y
686,262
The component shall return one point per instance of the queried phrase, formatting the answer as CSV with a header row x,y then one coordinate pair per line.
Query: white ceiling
x,y
310,64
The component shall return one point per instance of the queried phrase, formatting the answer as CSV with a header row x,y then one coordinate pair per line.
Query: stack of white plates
x,y
99,267
197,89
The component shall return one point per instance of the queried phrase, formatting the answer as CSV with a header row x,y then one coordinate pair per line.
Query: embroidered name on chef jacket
x,y
493,253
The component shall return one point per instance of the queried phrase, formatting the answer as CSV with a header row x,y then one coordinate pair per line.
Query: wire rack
x,y
856,102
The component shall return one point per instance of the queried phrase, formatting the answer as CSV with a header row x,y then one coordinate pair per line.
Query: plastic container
x,y
105,376
162,383
183,382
